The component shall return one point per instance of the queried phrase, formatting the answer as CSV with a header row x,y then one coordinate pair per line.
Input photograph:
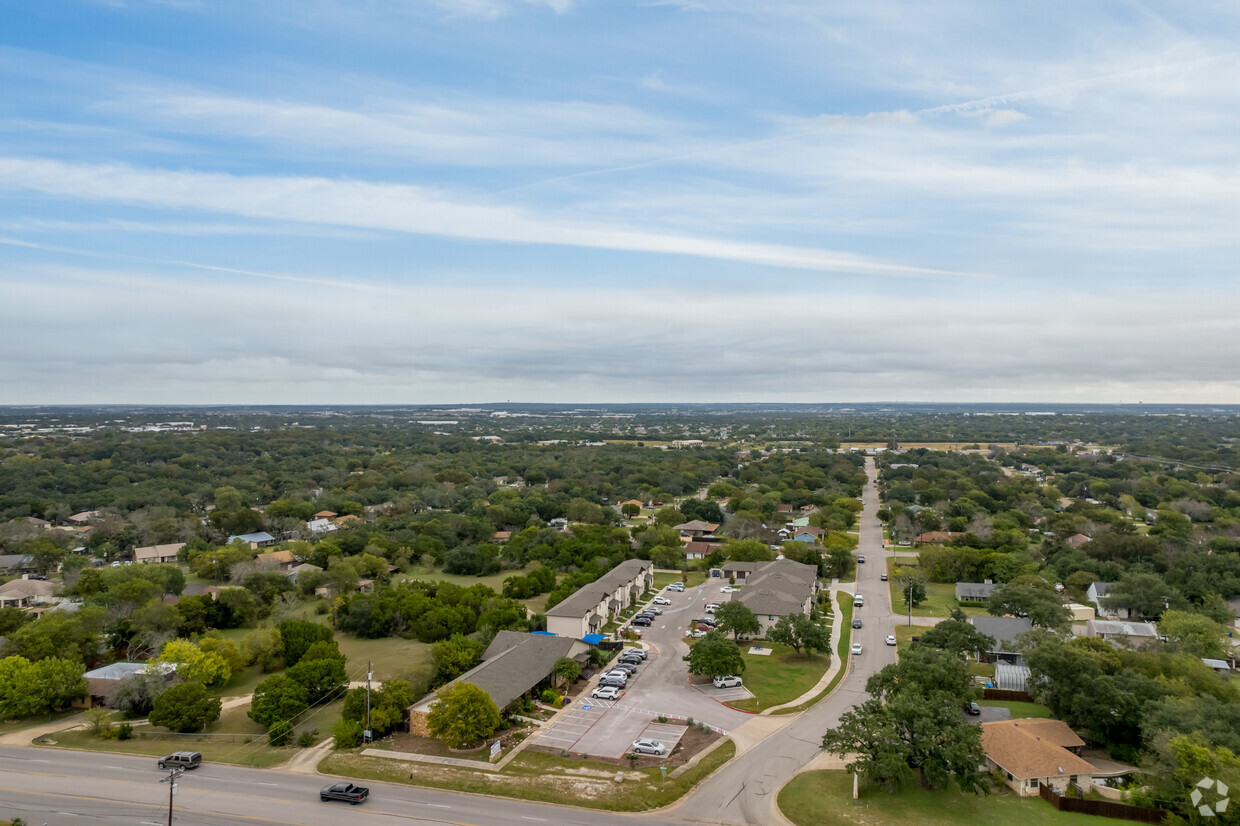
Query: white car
x,y
676,586
726,681
891,639
856,648
696,633
617,674
727,589
648,746
606,692
712,607
661,601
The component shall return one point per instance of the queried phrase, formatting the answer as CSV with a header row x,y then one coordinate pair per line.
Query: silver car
x,y
648,746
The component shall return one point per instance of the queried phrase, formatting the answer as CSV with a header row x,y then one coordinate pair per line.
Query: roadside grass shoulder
x,y
843,616
940,596
824,798
780,676
540,777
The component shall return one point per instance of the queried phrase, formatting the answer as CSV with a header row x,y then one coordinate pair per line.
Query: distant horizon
x,y
463,406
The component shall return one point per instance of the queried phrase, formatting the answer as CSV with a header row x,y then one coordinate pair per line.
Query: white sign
x,y
495,749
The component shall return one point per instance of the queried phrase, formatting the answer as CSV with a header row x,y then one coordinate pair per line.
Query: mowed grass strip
x,y
1018,708
539,777
779,677
844,623
824,798
940,596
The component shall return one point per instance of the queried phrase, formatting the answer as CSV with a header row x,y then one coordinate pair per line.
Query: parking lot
x,y
660,686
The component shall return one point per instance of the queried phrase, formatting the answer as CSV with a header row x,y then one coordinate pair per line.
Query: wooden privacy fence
x,y
1102,808
1006,694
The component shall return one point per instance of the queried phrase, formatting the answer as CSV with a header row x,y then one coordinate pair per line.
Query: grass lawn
x,y
392,656
780,676
541,777
824,798
905,634
663,579
492,581
940,596
1017,708
256,753
844,618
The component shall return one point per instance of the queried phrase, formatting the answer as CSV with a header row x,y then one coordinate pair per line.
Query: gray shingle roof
x,y
779,588
587,597
1003,629
514,663
976,590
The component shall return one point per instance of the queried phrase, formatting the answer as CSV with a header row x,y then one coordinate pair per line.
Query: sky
x,y
450,201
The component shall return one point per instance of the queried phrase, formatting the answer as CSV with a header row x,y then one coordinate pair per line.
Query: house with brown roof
x,y
276,560
26,593
935,537
326,515
1076,540
347,519
696,528
157,554
1031,753
700,549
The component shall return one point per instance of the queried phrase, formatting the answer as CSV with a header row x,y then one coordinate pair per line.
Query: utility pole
x,y
369,672
171,780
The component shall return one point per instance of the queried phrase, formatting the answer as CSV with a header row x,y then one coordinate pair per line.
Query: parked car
x,y
726,681
727,589
344,791
705,621
645,615
697,633
891,639
653,609
883,577
856,623
639,653
661,601
181,760
861,558
614,682
973,709
648,746
606,692
712,607
644,622
676,586
856,648
617,673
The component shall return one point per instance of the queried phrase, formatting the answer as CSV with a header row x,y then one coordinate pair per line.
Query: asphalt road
x,y
69,788
744,790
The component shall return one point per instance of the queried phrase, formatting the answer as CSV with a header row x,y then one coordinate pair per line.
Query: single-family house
x,y
348,520
699,549
85,517
27,593
935,537
500,537
784,509
260,539
637,503
809,534
1121,633
513,664
1218,666
35,521
779,589
1031,753
326,514
696,528
1096,593
321,526
1076,540
591,606
1004,631
157,554
276,560
303,568
974,591
12,564
740,571
1080,613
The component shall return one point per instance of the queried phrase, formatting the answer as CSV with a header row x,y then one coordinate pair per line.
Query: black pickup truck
x,y
344,791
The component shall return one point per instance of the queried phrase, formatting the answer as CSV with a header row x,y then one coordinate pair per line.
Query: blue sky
x,y
577,200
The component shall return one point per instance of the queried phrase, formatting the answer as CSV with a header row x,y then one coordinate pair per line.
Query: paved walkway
x,y
837,662
23,737
307,761
410,757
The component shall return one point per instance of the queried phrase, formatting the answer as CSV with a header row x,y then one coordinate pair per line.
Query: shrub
x,y
348,734
124,731
280,732
550,697
308,739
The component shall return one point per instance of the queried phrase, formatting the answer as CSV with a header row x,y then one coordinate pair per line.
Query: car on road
x,y
648,746
973,709
883,577
861,558
344,791
661,601
891,639
676,586
606,692
726,681
856,648
856,623
181,760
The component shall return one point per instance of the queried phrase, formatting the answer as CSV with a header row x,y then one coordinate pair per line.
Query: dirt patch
x,y
690,744
417,744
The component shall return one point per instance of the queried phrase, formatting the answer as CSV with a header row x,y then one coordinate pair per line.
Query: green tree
x,y
320,678
799,631
452,657
1043,608
1146,595
186,707
277,698
748,550
735,618
912,584
29,688
195,665
911,723
299,635
566,670
463,714
958,637
714,656
1193,633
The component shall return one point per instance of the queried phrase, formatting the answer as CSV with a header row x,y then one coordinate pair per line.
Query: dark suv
x,y
181,760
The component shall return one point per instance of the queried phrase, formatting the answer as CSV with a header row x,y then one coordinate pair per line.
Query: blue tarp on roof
x,y
544,633
594,639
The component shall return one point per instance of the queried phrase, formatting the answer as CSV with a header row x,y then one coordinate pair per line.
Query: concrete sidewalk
x,y
410,757
837,662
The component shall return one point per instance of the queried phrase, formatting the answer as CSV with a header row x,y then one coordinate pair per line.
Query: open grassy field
x,y
493,581
940,596
824,798
1017,708
392,656
779,677
663,579
543,777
